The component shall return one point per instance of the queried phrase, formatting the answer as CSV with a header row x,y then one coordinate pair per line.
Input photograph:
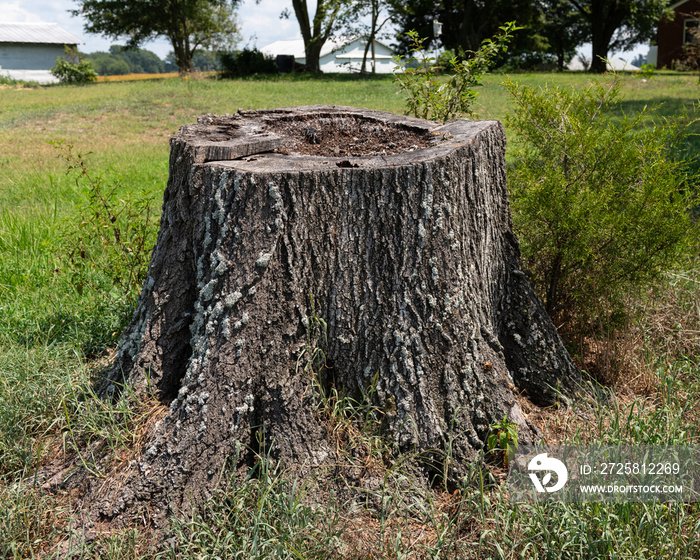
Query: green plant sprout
x,y
502,440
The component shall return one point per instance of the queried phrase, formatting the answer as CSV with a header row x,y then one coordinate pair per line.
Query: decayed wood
x,y
409,258
220,139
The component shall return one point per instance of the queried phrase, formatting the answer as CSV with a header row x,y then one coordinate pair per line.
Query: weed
x,y
646,71
429,96
502,441
28,520
312,357
110,246
354,425
267,515
103,435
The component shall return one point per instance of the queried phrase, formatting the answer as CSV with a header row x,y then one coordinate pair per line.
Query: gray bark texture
x,y
409,257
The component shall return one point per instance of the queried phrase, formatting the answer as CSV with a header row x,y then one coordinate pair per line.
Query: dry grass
x,y
136,77
139,77
632,367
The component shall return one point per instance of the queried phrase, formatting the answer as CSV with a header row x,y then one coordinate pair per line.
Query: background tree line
x,y
552,29
120,60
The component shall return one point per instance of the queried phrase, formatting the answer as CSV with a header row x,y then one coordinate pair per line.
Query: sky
x,y
260,24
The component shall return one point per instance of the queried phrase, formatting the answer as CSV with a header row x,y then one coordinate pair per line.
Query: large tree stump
x,y
400,231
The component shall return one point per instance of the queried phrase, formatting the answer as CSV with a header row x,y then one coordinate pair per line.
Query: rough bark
x,y
409,258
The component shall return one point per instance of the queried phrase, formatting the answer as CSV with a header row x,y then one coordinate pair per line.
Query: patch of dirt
x,y
347,136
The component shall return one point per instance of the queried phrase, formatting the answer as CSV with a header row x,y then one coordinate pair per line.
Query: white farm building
x,y
342,55
29,50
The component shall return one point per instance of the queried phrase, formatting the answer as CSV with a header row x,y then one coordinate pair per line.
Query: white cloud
x,y
14,12
261,23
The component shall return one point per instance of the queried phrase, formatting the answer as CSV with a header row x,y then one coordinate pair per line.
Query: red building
x,y
675,33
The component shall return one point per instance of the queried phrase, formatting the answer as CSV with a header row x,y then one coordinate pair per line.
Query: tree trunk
x,y
599,54
605,17
409,257
312,51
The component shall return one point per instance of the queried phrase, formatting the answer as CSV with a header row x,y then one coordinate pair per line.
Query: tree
x,y
140,61
374,9
380,12
188,24
467,23
318,30
415,15
691,49
563,27
391,277
619,24
121,60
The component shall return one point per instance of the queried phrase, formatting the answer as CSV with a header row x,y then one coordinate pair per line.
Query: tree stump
x,y
395,231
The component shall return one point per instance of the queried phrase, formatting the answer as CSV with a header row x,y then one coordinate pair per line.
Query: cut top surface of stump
x,y
320,136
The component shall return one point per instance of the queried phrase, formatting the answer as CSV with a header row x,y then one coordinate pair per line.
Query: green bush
x,y
247,62
601,201
72,69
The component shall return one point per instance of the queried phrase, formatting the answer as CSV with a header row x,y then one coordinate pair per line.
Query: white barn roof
x,y
293,46
296,46
49,33
339,54
614,63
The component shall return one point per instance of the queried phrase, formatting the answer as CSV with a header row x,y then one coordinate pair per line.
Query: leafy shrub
x,y
601,203
72,69
431,97
246,63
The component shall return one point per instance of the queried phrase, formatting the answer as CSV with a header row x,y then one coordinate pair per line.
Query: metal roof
x,y
296,46
36,33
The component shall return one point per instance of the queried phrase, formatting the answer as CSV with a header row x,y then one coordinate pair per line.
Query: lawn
x,y
57,332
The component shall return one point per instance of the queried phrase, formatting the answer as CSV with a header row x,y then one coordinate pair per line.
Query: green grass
x,y
53,336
